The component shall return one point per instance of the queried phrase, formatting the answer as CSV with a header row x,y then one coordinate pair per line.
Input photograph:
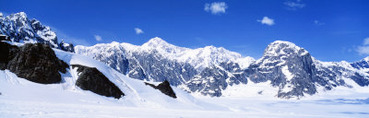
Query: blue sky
x,y
331,30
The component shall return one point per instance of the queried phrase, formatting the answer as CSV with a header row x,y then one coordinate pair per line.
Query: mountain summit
x,y
156,43
20,29
283,47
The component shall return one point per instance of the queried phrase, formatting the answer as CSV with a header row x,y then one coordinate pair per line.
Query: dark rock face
x,y
93,80
66,46
165,88
4,38
35,62
7,53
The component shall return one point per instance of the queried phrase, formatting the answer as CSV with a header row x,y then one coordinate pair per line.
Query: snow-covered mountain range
x,y
157,60
210,70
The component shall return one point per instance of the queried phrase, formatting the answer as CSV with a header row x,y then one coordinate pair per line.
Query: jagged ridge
x,y
20,29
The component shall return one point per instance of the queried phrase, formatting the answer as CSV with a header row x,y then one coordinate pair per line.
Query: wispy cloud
x,y
364,48
216,7
291,5
97,37
267,21
316,22
138,31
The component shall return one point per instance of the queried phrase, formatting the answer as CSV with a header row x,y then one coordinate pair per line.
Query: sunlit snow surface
x,y
22,98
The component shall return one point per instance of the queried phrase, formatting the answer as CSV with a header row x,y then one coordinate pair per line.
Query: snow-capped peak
x,y
20,29
19,19
156,42
18,16
366,59
283,47
279,53
114,43
162,47
213,48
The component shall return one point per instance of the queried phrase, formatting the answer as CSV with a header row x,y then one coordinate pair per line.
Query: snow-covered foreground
x,y
89,106
22,98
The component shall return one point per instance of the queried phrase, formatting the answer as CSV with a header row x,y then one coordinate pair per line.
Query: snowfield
x,y
22,98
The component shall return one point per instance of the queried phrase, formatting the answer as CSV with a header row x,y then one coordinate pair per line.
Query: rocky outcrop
x,y
35,62
4,38
66,46
7,53
93,80
165,88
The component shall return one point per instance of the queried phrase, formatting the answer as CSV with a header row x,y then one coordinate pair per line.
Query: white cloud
x,y
294,5
364,49
316,22
1,14
366,41
267,21
139,31
97,37
216,7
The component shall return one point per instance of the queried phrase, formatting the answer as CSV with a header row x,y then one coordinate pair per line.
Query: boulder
x,y
7,52
165,88
34,62
93,80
